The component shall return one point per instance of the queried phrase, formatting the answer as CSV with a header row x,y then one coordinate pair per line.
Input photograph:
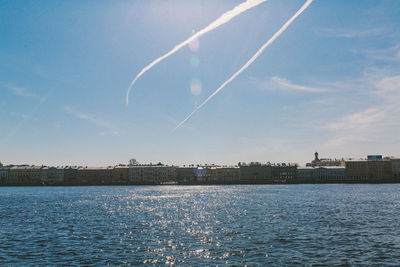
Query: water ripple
x,y
201,225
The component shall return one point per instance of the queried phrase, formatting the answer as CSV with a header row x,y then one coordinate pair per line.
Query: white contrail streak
x,y
251,60
224,18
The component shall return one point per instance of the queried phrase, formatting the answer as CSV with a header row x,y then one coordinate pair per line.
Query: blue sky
x,y
330,83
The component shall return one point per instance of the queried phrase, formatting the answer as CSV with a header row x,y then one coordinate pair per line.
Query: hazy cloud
x,y
111,129
20,91
349,33
285,84
21,115
360,120
378,121
389,87
390,54
109,133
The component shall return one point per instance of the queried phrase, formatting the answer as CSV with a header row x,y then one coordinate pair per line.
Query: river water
x,y
201,225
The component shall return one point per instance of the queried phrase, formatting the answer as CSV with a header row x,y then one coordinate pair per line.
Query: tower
x,y
316,157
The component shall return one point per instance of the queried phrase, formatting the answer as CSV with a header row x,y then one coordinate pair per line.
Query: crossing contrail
x,y
224,18
251,60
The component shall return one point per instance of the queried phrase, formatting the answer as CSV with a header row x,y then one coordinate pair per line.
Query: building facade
x,y
284,173
25,175
329,174
255,172
52,175
307,175
71,175
369,170
4,175
186,174
227,174
396,168
95,176
151,174
121,174
325,162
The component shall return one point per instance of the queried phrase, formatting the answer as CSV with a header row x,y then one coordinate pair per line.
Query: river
x,y
326,224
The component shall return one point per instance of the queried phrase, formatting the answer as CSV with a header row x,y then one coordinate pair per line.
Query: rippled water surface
x,y
201,225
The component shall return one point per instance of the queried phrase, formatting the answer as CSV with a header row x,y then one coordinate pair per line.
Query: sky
x,y
329,83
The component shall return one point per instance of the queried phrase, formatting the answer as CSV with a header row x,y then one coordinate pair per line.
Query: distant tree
x,y
160,164
133,162
1,164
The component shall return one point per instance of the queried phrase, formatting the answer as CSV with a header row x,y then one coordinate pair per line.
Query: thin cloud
x,y
360,120
109,133
349,33
375,123
21,115
344,140
224,18
251,60
389,87
288,85
20,91
390,54
112,130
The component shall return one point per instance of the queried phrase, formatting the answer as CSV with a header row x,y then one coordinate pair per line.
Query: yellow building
x,y
25,175
121,174
369,170
95,176
256,172
186,174
228,174
151,174
4,175
396,168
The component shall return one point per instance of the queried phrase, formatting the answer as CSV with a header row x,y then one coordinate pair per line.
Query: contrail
x,y
224,18
251,60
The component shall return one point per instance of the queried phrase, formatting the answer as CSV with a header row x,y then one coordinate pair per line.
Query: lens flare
x,y
194,45
196,87
194,61
250,61
224,18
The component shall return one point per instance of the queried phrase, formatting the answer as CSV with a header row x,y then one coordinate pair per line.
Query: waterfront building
x,y
328,174
51,175
97,175
255,172
25,175
186,174
151,174
284,173
121,174
71,175
227,174
206,174
325,162
44,173
4,175
374,157
307,175
331,174
396,168
369,170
